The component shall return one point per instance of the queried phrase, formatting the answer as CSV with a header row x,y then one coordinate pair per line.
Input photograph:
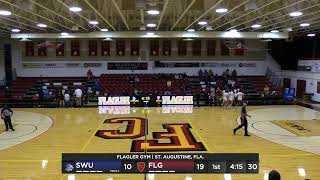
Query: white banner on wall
x,y
228,64
60,65
309,65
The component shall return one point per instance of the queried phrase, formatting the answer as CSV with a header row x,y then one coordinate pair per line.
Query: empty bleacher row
x,y
24,90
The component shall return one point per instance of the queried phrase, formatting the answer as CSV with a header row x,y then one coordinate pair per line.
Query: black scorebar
x,y
247,163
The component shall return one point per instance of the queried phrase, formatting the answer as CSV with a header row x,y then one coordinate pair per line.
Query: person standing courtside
x,y
6,114
244,121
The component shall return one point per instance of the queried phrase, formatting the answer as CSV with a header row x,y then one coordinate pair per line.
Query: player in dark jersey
x,y
244,121
6,114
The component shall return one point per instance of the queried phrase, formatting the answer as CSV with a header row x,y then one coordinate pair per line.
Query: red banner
x,y
211,48
196,48
42,48
93,48
29,48
60,49
75,48
105,48
120,47
154,47
166,47
239,50
135,47
182,48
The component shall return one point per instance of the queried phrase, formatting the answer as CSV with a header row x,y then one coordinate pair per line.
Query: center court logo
x,y
179,135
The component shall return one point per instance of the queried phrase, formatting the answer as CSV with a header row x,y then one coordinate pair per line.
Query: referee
x,y
6,114
244,121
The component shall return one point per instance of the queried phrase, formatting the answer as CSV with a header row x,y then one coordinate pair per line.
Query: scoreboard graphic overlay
x,y
160,163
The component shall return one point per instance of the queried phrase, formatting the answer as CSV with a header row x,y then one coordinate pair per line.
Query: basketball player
x,y
240,98
231,99
225,98
244,121
6,114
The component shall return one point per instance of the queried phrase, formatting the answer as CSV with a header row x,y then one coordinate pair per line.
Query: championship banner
x,y
154,48
128,66
182,48
196,48
105,48
211,48
120,47
135,47
60,49
224,48
42,48
93,48
166,47
29,48
75,48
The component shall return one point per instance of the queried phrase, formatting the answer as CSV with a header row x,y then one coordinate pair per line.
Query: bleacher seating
x,y
24,89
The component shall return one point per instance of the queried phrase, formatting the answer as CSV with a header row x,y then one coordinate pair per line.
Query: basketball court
x,y
34,150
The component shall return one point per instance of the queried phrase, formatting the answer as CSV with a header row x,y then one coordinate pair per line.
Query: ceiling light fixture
x,y
221,10
75,9
311,35
202,23
93,22
153,12
256,26
274,31
5,13
64,34
150,33
191,30
104,30
42,25
151,25
233,30
15,30
304,24
295,14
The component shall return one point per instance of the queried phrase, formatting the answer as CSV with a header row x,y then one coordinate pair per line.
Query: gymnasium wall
x,y
311,79
256,56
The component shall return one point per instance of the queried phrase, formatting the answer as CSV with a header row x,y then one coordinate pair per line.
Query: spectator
x,y
78,95
90,91
61,98
234,74
97,88
206,74
227,74
169,83
89,74
200,73
41,94
211,73
105,93
67,99
136,79
266,90
7,92
167,93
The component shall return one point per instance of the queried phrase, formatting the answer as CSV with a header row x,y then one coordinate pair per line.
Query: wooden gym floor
x,y
34,150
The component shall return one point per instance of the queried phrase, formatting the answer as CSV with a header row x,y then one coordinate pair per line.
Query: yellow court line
x,y
285,126
197,133
87,143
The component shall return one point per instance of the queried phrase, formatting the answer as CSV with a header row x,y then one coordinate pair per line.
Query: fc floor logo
x,y
179,135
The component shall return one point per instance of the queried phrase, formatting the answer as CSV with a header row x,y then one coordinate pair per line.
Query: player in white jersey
x,y
225,98
231,99
240,98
